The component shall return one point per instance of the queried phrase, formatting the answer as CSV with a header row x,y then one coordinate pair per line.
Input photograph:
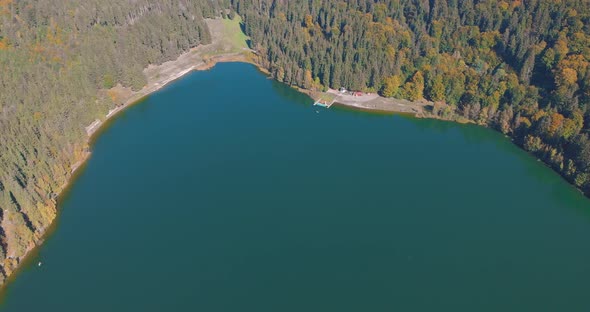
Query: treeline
x,y
56,60
520,66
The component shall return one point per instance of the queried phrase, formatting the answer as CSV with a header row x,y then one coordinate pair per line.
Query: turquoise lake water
x,y
227,191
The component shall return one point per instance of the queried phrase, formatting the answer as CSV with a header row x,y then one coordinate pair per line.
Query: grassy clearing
x,y
233,36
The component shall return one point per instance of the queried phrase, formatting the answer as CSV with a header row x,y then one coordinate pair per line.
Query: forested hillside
x,y
520,66
57,59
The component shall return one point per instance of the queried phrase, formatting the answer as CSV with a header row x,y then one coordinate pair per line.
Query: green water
x,y
227,191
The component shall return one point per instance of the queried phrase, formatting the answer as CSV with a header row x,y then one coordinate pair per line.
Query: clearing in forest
x,y
228,35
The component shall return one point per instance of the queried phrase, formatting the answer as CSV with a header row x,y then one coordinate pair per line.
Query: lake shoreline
x,y
422,109
179,68
152,87
201,57
371,102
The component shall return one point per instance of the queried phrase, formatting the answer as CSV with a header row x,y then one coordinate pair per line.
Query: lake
x,y
227,191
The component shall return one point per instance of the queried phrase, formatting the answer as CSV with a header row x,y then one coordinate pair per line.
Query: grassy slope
x,y
233,36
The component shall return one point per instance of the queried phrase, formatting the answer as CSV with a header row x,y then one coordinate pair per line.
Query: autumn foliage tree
x,y
391,86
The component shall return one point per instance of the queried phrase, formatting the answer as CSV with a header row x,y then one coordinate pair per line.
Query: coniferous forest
x,y
520,66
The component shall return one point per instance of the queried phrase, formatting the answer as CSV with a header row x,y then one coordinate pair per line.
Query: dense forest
x,y
57,59
520,66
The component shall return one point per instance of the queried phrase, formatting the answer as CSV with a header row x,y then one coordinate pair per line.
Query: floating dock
x,y
322,103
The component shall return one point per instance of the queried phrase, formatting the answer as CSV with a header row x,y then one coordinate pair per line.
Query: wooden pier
x,y
324,103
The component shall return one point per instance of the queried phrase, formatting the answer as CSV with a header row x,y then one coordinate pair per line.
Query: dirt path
x,y
158,76
375,102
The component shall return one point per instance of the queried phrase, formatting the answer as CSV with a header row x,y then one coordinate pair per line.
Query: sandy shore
x,y
373,102
136,96
174,70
